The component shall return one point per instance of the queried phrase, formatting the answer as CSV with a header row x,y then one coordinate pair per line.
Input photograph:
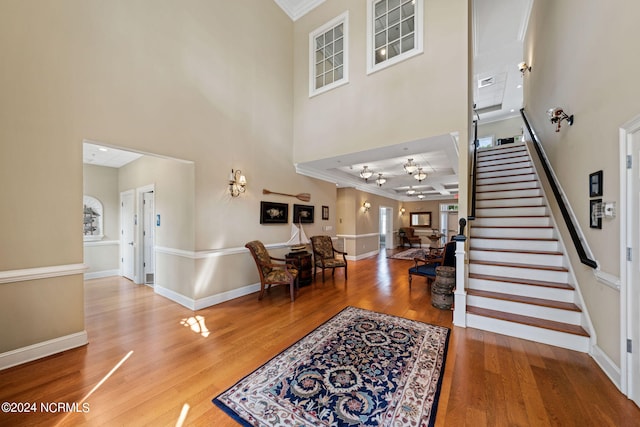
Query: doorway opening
x,y
386,227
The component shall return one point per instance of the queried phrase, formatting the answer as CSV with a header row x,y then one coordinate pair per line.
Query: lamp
x,y
411,191
420,175
524,67
366,205
410,167
237,183
380,180
421,196
402,211
557,115
366,173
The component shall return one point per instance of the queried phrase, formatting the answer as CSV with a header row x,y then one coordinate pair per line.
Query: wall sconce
x,y
366,205
402,211
237,183
557,115
524,67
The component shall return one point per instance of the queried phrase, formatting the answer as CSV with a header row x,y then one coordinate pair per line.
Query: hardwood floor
x,y
171,361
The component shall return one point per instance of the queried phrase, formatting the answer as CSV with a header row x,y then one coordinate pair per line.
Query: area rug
x,y
411,254
360,368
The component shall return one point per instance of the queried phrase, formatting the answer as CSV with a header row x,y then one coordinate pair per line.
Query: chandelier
x,y
380,180
366,173
420,175
411,191
410,167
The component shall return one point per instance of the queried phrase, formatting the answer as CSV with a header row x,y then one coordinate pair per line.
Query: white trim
x,y
205,302
101,243
101,274
37,273
607,365
372,67
340,19
42,349
297,9
357,236
608,279
211,253
362,256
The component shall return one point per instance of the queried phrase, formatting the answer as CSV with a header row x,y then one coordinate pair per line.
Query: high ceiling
x,y
499,27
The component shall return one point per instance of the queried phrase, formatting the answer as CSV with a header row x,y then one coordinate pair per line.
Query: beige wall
x,y
501,129
588,74
421,97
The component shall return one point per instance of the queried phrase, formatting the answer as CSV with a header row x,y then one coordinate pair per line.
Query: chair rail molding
x,y
37,273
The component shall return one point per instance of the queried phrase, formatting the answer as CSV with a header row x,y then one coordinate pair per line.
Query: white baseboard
x,y
607,365
363,256
205,302
42,349
101,274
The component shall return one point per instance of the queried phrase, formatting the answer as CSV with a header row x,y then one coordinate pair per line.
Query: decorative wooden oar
x,y
305,197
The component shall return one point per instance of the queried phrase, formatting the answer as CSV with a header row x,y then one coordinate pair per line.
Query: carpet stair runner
x,y
519,284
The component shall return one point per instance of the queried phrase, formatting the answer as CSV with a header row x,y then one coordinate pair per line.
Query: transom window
x,y
394,31
328,49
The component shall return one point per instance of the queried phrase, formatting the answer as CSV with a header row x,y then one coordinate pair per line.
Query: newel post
x,y
460,293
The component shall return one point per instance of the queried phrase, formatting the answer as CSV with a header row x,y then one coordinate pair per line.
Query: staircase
x,y
518,281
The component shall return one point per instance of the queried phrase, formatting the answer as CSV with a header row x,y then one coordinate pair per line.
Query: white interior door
x,y
633,279
127,234
148,237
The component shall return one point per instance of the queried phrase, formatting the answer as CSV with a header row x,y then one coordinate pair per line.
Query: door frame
x,y
629,309
123,243
139,249
389,237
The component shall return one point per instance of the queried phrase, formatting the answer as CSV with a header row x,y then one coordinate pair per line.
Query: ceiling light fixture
x,y
380,180
420,175
411,191
557,115
421,196
366,173
410,167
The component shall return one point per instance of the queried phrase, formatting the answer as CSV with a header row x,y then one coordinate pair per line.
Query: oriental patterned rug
x,y
360,368
411,254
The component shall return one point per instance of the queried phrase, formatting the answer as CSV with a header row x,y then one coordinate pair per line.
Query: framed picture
x,y
595,184
274,213
325,212
595,207
303,214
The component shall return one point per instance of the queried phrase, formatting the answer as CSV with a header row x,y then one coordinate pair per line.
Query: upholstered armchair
x,y
426,267
271,273
407,235
324,256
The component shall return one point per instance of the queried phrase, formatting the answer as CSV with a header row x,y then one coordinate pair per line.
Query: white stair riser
x,y
520,273
513,233
546,336
511,194
534,221
505,203
533,245
508,178
513,167
531,310
516,257
511,211
501,148
499,173
525,185
498,162
533,291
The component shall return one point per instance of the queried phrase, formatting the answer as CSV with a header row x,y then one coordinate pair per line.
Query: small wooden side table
x,y
302,261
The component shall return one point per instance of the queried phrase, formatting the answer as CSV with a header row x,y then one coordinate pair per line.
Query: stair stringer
x,y
529,332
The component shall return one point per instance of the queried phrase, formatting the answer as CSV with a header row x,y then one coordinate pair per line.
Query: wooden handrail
x,y
573,232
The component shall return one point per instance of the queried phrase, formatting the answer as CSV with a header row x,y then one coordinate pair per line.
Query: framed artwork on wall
x,y
325,212
595,184
595,207
274,213
303,214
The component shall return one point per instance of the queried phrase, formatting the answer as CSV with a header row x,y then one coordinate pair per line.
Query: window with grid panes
x,y
328,55
394,31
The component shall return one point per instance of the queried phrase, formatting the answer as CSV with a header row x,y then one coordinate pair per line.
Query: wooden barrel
x,y
441,298
445,278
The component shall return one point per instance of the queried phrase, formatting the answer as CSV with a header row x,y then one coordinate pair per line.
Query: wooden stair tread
x,y
518,251
519,281
534,239
530,321
517,265
560,305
